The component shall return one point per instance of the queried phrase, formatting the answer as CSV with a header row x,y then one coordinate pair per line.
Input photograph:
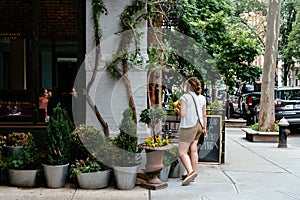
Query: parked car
x,y
287,105
243,103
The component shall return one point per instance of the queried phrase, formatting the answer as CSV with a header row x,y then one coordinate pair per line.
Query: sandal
x,y
189,178
183,176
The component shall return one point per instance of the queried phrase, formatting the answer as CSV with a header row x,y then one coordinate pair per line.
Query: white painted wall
x,y
109,94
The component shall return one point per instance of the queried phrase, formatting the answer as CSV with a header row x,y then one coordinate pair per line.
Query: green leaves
x,y
30,157
293,46
58,137
85,166
233,46
148,115
125,144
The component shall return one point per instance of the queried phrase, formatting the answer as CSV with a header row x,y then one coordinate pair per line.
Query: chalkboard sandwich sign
x,y
211,149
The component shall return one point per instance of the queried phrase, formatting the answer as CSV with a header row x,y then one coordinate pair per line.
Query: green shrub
x,y
58,137
126,151
89,159
255,128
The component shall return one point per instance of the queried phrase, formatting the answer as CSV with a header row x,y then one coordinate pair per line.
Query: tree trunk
x,y
151,88
88,97
129,90
286,69
267,110
155,77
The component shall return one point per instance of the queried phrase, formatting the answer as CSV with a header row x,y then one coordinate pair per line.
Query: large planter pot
x,y
13,150
177,169
93,180
154,162
22,178
55,175
125,176
3,176
164,173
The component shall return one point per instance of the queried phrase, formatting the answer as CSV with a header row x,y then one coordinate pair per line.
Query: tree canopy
x,y
288,16
292,50
219,29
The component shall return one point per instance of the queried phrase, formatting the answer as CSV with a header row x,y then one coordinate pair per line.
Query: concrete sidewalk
x,y
251,171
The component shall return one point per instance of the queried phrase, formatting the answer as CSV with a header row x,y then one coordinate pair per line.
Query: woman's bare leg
x,y
183,148
194,154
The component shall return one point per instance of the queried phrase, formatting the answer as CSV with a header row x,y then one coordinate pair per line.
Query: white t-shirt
x,y
190,118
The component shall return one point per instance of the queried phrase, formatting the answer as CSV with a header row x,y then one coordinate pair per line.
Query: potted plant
x,y
15,142
215,108
89,146
2,145
23,169
126,158
58,144
154,145
152,117
170,156
2,170
177,168
90,173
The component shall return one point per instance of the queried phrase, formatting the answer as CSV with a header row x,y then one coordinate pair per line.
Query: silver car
x,y
287,105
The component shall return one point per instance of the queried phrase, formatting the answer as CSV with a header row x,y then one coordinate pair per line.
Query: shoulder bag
x,y
201,139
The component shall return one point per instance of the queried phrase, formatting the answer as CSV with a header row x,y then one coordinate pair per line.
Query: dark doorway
x,y
67,71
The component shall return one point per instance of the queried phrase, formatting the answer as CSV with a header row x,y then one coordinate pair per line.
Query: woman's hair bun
x,y
195,84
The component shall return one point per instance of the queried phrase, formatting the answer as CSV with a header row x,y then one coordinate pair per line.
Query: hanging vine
x,y
98,9
132,16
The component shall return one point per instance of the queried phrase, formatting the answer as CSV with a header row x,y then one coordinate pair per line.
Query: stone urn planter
x,y
154,165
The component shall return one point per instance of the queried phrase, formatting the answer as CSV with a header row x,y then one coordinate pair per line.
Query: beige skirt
x,y
190,134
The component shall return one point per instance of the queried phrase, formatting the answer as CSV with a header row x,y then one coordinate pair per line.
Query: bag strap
x,y
196,109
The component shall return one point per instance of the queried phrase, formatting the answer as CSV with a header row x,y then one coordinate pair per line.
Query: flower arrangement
x,y
153,117
17,139
157,142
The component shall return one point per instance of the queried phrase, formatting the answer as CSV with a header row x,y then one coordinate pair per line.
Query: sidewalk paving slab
x,y
252,171
70,193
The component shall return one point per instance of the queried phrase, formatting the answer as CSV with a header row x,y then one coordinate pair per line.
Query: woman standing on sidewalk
x,y
192,125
